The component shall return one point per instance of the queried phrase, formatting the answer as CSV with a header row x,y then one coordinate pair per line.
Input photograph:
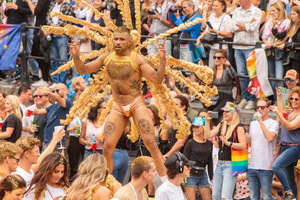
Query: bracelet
x,y
230,144
166,156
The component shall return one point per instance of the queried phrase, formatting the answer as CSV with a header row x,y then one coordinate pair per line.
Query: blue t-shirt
x,y
55,114
291,136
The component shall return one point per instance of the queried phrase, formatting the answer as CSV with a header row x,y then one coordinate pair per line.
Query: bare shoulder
x,y
140,60
103,56
240,129
102,193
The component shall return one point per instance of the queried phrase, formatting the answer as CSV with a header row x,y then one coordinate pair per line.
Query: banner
x,y
10,38
257,66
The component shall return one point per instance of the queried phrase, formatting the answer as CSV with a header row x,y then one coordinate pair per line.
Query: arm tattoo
x,y
144,126
77,57
109,128
146,61
135,84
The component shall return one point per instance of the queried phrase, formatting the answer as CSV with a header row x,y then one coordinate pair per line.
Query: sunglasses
x,y
40,96
17,159
57,91
261,107
217,57
292,99
289,79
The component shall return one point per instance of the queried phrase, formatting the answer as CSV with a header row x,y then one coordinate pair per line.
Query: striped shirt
x,y
251,35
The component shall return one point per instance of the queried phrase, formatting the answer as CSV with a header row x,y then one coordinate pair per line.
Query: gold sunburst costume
x,y
160,92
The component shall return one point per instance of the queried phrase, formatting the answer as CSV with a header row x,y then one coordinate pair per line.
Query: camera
x,y
152,11
174,9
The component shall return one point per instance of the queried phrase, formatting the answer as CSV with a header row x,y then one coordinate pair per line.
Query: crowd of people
x,y
41,159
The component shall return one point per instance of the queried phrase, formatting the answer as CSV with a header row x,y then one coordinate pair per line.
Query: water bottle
x,y
78,129
255,118
94,143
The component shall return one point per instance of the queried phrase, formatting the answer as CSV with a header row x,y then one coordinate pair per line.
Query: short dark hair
x,y
183,101
23,88
92,115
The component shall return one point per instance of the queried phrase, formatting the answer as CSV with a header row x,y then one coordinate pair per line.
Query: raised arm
x,y
210,133
156,76
80,66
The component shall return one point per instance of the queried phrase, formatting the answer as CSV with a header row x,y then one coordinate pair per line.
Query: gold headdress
x,y
61,160
14,183
160,92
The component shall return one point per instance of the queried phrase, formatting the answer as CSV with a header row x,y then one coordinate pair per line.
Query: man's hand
x,y
253,20
212,30
200,62
161,49
281,47
259,116
74,48
156,16
176,14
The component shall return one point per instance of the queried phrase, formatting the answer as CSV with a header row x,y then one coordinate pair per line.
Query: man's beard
x,y
120,50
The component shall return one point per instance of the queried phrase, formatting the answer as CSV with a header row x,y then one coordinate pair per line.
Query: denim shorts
x,y
195,181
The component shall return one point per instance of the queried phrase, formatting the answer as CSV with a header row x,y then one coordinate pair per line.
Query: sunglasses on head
x,y
289,79
57,91
261,107
218,57
292,99
40,96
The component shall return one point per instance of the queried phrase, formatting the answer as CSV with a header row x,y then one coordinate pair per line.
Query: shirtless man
x,y
125,70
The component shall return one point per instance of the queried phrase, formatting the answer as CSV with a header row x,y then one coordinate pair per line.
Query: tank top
x,y
90,130
291,136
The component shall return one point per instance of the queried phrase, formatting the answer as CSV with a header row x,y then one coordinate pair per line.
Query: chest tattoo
x,y
135,84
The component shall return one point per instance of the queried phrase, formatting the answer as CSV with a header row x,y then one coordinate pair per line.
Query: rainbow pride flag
x,y
10,39
239,160
257,66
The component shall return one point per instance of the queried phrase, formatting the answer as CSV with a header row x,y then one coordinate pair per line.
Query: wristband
x,y
230,144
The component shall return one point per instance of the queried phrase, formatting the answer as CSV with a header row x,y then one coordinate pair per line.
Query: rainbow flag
x,y
257,66
10,39
239,160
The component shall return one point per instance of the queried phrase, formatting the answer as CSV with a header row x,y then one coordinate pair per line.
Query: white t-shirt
x,y
25,175
50,193
225,26
75,121
169,191
26,121
261,149
56,8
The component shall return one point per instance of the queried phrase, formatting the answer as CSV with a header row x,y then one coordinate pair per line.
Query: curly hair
x,y
27,143
10,183
47,166
8,149
92,172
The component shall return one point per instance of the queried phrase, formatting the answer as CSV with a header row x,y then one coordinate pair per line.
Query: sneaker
x,y
8,81
35,78
243,103
289,196
52,86
250,105
40,83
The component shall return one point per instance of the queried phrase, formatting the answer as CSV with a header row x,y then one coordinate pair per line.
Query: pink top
x,y
90,130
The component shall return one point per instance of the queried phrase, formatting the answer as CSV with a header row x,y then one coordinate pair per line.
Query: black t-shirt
x,y
224,150
13,121
40,120
201,153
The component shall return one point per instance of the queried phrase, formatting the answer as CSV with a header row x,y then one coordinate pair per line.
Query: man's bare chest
x,y
119,70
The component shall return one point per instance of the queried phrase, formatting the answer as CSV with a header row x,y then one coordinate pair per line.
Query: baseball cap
x,y
198,121
293,74
170,163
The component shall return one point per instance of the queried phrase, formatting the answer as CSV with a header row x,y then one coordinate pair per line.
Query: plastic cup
x,y
29,112
285,115
57,128
1,125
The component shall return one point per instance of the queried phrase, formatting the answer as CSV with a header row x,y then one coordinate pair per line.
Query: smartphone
x,y
214,115
282,90
209,24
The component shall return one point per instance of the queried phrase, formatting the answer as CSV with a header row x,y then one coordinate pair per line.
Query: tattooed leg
x,y
145,126
113,129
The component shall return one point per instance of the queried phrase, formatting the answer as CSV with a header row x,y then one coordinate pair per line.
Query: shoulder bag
x,y
211,38
239,157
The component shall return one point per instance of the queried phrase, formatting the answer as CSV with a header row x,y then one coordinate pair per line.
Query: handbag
x,y
211,38
197,171
198,52
239,158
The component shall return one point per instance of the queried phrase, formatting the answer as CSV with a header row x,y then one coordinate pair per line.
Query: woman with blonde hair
x,y
12,126
199,149
12,187
92,180
50,180
292,40
274,26
231,134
